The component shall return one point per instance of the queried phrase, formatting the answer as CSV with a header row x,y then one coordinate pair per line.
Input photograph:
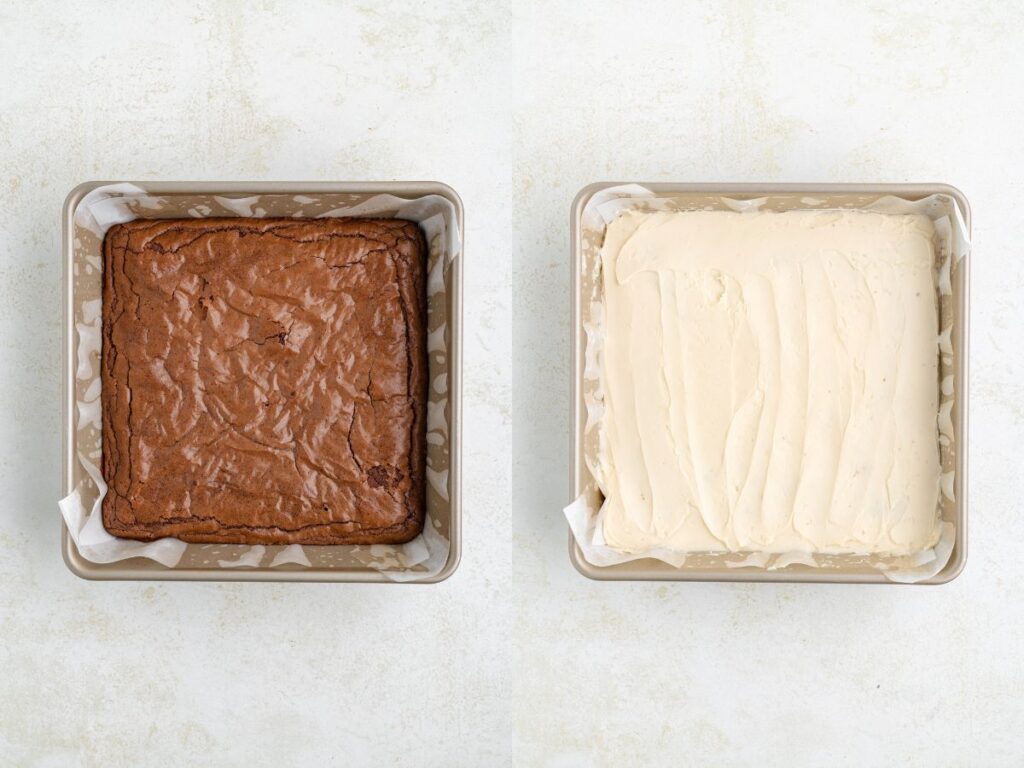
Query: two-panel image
x,y
262,382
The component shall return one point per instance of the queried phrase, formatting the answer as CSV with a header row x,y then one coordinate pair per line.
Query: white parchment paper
x,y
111,204
585,513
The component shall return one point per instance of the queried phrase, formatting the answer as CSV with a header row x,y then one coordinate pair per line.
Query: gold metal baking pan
x,y
81,258
782,196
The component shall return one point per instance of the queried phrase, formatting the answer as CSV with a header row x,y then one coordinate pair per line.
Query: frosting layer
x,y
770,382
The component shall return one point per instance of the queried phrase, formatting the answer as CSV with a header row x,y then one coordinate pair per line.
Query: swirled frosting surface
x,y
770,382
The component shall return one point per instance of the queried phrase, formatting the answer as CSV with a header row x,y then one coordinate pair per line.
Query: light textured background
x,y
516,660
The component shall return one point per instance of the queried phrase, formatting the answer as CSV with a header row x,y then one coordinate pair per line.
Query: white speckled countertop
x,y
516,660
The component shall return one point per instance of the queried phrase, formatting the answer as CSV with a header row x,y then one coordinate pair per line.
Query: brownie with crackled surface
x,y
264,380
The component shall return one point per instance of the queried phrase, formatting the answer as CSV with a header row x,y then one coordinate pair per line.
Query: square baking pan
x,y
81,251
779,197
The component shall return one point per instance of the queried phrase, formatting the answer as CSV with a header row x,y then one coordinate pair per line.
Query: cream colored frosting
x,y
770,382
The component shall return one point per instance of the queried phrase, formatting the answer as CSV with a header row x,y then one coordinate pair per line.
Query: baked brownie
x,y
264,380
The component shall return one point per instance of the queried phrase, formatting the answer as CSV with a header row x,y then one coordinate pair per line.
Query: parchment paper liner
x,y
585,513
114,203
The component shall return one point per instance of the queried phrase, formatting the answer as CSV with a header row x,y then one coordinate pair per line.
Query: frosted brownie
x,y
770,382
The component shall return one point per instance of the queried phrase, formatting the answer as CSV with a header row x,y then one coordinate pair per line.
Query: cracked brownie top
x,y
264,380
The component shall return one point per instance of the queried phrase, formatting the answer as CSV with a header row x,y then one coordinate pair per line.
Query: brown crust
x,y
264,381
